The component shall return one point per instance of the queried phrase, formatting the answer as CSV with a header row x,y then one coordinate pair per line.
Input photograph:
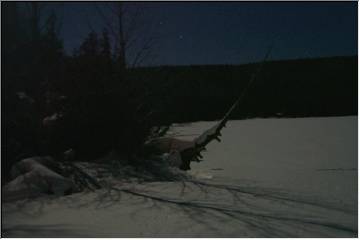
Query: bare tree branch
x,y
129,32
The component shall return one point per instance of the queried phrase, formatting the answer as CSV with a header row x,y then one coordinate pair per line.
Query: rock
x,y
28,164
35,176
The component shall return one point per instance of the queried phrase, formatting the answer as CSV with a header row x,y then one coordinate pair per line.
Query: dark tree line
x,y
52,102
288,88
32,62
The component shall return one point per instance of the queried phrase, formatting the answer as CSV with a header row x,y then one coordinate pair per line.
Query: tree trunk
x,y
122,49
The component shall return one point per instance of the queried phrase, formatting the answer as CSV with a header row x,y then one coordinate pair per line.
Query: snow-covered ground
x,y
267,178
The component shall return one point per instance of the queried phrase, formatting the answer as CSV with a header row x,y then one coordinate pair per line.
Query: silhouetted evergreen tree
x,y
105,46
32,62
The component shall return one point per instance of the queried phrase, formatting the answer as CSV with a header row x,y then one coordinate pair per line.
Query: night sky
x,y
229,32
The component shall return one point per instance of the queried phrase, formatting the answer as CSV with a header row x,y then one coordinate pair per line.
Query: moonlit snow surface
x,y
267,178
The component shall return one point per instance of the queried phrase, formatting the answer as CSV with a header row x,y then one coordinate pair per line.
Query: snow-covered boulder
x,y
51,120
24,97
169,144
35,176
28,164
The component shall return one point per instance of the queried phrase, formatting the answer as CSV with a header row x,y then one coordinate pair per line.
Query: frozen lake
x,y
267,178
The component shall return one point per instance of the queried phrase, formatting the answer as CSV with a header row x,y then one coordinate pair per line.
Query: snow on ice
x,y
264,179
